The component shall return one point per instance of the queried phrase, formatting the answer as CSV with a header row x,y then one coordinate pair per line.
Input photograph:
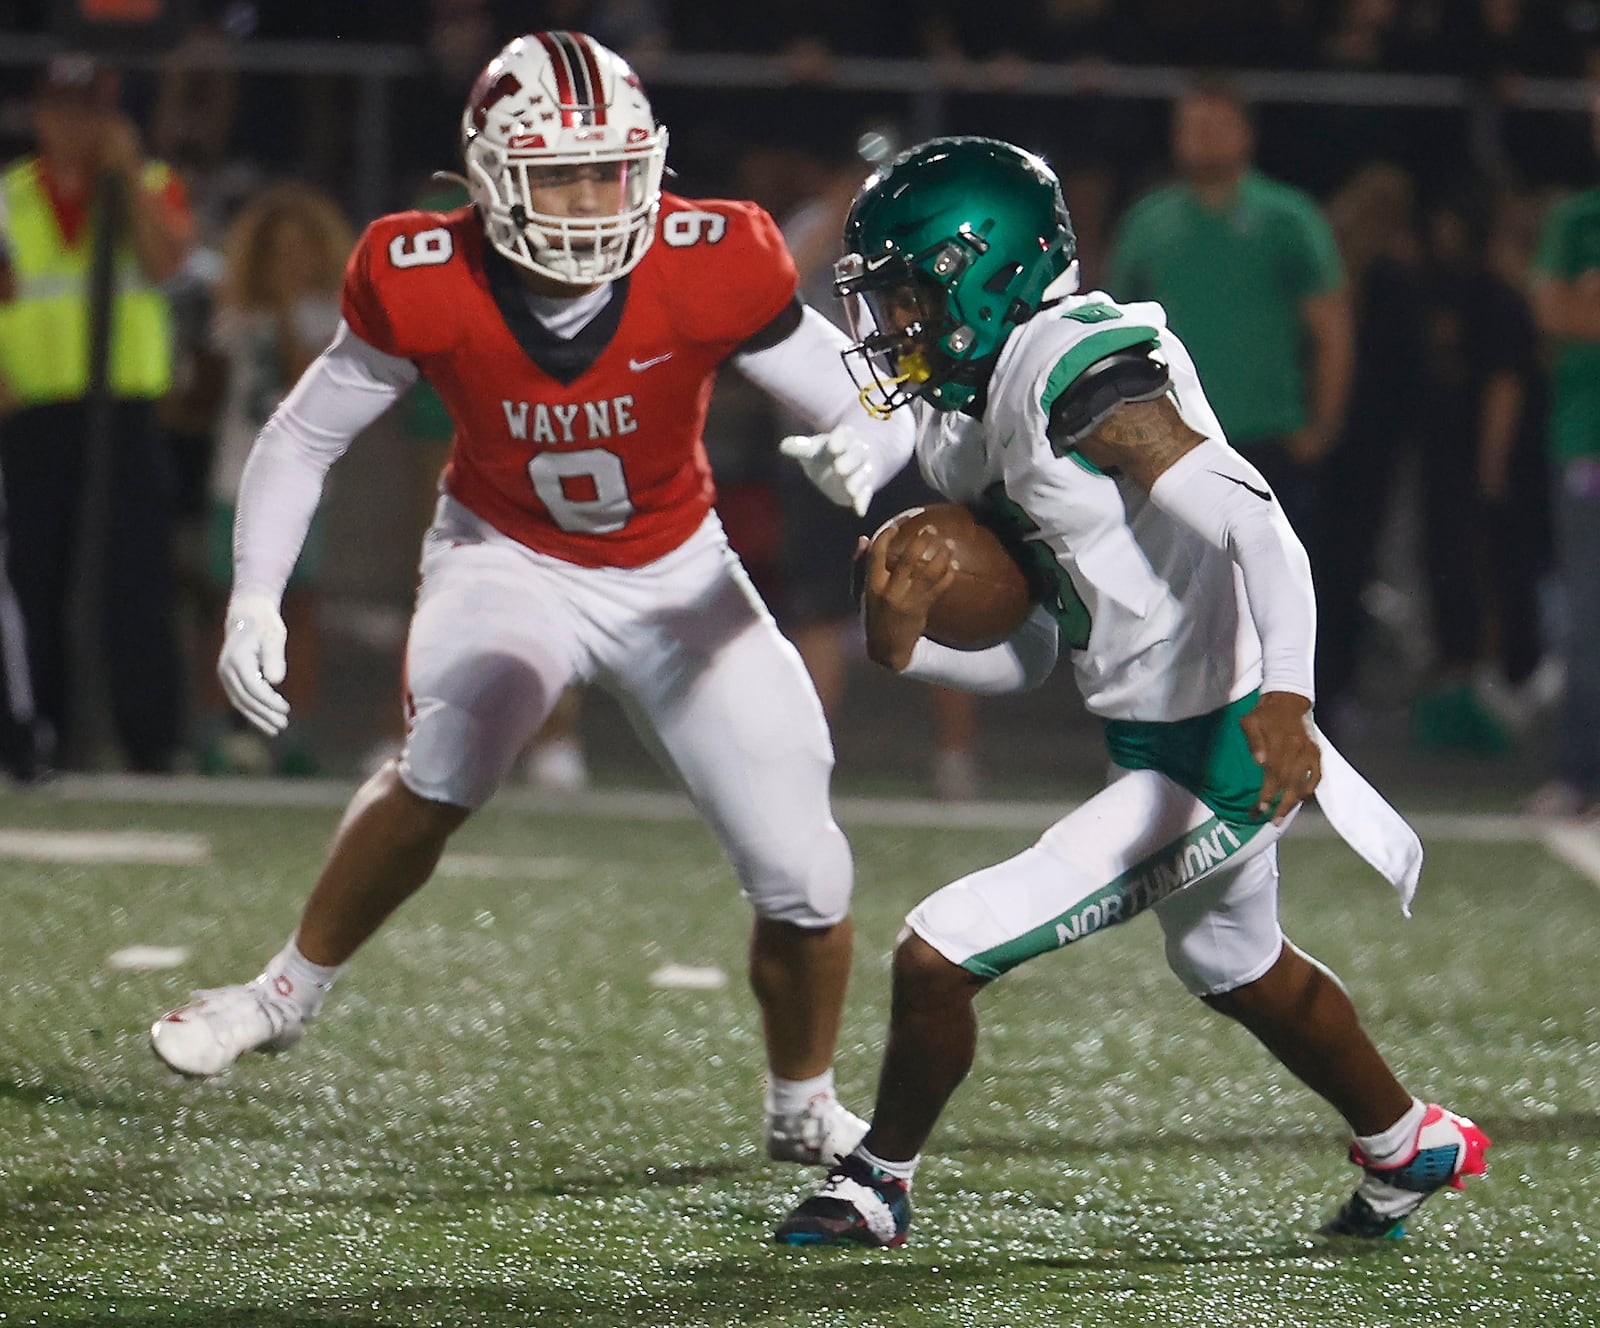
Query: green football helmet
x,y
949,247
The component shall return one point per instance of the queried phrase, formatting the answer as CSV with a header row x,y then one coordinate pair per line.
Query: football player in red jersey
x,y
572,319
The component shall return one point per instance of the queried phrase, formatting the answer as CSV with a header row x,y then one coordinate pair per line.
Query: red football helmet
x,y
561,99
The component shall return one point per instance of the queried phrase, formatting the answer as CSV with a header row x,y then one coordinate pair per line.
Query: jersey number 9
x,y
423,249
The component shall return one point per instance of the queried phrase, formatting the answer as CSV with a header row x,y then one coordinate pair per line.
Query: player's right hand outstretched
x,y
840,463
252,664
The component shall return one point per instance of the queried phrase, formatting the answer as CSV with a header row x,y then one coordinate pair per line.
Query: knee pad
x,y
450,756
463,734
1223,932
809,887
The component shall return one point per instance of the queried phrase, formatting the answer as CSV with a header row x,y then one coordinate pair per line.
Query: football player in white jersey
x,y
1078,428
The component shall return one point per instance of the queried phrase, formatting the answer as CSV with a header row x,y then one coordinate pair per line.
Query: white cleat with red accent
x,y
218,1026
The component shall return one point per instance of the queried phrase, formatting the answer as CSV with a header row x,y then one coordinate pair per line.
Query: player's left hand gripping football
x,y
252,663
896,600
840,463
1279,732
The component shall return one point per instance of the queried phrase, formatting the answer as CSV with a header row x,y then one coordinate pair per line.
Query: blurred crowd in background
x,y
1433,145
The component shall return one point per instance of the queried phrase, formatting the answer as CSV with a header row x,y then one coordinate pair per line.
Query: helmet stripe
x,y
561,63
578,84
591,68
582,93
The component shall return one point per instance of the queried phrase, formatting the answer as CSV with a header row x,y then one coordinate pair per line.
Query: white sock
x,y
1391,1145
899,1170
785,1097
294,978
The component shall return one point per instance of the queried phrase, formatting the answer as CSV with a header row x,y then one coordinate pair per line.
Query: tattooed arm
x,y
1140,439
1205,484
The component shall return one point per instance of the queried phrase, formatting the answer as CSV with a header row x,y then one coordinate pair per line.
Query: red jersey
x,y
607,469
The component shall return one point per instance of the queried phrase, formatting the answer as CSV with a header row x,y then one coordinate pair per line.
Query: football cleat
x,y
1448,1149
218,1026
819,1135
858,1205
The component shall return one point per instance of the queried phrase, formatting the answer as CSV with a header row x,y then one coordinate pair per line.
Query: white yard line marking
x,y
689,977
1577,846
151,847
147,958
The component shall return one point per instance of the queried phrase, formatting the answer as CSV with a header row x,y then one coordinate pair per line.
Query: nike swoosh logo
x,y
1264,494
639,366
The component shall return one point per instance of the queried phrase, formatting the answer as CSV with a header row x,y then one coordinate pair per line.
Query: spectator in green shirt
x,y
1250,276
1566,304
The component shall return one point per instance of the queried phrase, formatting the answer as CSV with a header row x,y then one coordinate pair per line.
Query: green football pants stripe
x,y
1144,884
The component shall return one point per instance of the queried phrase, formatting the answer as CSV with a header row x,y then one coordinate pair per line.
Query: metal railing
x,y
929,85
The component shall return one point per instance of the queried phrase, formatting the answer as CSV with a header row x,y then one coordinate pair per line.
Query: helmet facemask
x,y
574,250
564,158
911,338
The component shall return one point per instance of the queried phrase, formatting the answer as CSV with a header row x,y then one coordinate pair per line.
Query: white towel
x,y
1366,822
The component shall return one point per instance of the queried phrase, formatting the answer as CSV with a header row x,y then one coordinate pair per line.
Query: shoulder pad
x,y
402,284
731,272
1131,373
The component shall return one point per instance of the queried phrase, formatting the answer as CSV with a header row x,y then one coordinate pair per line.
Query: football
x,y
989,597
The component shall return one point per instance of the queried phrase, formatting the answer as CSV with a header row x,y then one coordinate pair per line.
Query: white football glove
x,y
840,463
252,663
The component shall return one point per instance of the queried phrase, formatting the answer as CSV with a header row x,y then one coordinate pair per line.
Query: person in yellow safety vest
x,y
88,150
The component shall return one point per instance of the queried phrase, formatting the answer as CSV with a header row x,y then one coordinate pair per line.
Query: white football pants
x,y
685,643
1143,841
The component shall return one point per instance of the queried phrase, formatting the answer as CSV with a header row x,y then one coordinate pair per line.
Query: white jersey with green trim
x,y
1156,618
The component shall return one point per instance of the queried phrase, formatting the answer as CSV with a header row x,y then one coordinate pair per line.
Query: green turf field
x,y
500,1121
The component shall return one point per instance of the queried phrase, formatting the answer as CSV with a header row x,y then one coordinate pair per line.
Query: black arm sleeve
x,y
779,328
